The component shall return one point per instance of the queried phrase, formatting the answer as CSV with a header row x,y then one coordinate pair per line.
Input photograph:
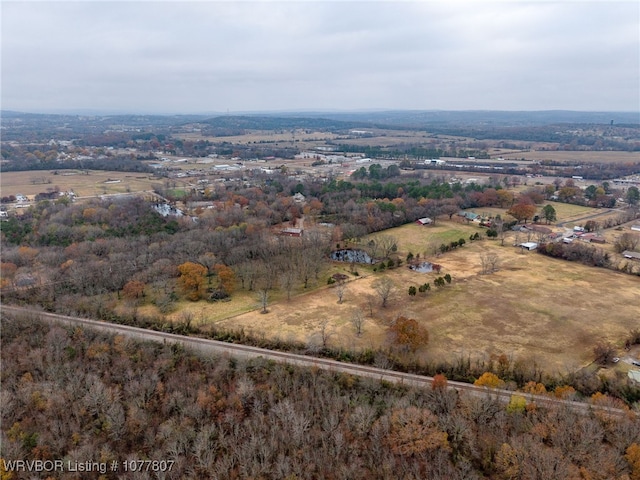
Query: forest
x,y
75,394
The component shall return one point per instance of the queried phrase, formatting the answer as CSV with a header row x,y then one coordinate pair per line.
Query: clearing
x,y
533,308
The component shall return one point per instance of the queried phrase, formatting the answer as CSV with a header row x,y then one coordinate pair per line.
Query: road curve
x,y
248,352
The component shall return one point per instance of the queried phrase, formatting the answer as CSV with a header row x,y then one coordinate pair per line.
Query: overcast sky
x,y
204,56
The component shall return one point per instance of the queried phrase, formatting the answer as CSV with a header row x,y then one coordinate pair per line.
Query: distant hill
x,y
266,122
418,118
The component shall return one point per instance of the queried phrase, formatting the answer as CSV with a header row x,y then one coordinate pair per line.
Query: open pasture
x,y
579,157
83,183
533,308
266,137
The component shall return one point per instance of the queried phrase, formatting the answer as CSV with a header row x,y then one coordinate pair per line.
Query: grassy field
x,y
533,308
94,182
586,157
422,239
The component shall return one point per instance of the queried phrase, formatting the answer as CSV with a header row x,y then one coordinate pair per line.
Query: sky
x,y
185,57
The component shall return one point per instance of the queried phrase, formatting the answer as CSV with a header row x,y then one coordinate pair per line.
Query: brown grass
x,y
534,307
582,157
92,184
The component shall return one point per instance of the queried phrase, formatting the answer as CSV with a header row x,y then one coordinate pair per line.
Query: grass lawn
x,y
422,239
567,211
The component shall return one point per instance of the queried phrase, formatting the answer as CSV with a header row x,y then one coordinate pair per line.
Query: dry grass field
x,y
303,140
95,182
582,157
266,136
534,307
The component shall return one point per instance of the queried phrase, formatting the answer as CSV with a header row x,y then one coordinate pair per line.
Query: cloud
x,y
213,56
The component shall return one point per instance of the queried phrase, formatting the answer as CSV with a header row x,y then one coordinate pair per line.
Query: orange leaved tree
x,y
488,379
408,334
522,211
414,431
226,278
192,280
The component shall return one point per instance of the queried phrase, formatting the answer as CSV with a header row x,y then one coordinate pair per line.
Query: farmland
x,y
533,308
82,183
240,181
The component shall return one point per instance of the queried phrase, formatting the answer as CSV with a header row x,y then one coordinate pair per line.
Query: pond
x,y
352,256
423,267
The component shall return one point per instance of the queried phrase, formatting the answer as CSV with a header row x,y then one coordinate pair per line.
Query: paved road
x,y
247,352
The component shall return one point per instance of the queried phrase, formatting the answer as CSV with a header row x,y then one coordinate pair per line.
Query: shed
x,y
634,375
529,245
292,232
424,221
630,254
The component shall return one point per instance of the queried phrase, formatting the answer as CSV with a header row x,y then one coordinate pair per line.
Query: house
x,y
634,375
631,255
299,198
424,221
529,245
292,232
469,215
593,238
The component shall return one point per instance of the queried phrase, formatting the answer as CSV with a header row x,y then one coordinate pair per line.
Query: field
x,y
533,308
94,182
582,157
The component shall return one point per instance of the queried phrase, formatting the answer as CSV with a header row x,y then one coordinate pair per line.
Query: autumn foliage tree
x,y
439,382
133,289
226,278
414,431
522,211
488,379
192,280
407,334
633,458
7,272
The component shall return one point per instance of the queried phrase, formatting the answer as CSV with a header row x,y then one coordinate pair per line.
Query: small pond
x,y
352,256
422,267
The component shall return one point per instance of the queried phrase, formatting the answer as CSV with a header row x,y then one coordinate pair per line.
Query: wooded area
x,y
75,394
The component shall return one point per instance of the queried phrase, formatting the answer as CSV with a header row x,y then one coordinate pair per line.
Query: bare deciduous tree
x,y
371,303
326,332
490,262
320,339
287,280
384,288
357,320
387,244
340,289
263,298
